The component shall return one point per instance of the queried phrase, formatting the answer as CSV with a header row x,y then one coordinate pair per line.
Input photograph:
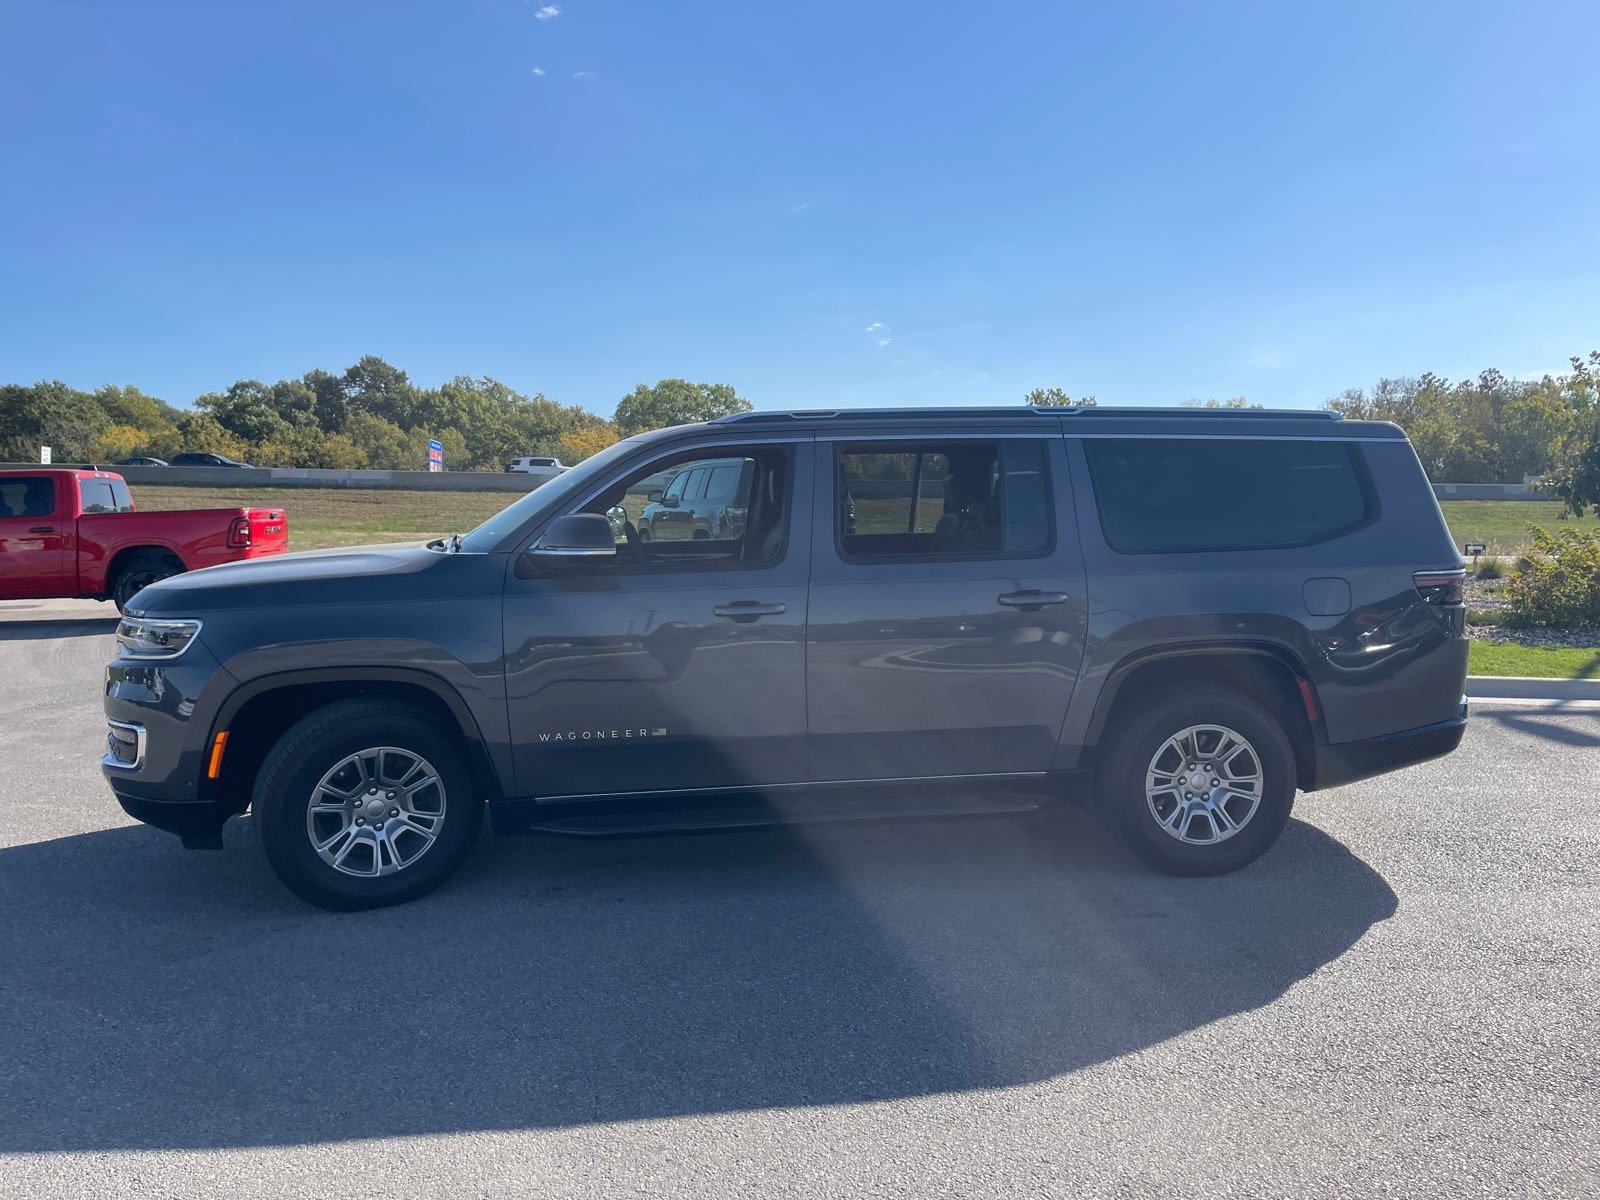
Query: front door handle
x,y
43,529
1032,600
745,611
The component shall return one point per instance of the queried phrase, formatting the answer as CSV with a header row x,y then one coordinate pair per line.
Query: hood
x,y
353,575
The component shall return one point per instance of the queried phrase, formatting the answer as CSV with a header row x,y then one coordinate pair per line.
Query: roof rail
x,y
997,410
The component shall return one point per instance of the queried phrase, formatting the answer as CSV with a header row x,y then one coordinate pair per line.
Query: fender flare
x,y
477,748
1281,655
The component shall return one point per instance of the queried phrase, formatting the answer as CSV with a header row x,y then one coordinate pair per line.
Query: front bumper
x,y
1346,762
197,822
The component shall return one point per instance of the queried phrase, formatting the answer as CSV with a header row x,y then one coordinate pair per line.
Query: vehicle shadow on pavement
x,y
45,628
1543,724
159,999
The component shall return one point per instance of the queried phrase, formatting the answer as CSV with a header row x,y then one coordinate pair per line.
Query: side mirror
x,y
578,539
653,497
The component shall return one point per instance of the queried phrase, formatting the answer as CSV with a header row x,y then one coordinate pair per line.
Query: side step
x,y
777,814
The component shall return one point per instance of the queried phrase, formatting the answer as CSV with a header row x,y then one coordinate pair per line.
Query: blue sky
x,y
822,204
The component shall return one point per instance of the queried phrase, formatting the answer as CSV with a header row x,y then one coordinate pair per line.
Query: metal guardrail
x,y
310,477
1488,491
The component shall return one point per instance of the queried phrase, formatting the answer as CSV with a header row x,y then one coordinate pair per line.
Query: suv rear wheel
x,y
1200,782
365,803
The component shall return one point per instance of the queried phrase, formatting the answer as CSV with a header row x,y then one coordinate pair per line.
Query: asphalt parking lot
x,y
1400,1000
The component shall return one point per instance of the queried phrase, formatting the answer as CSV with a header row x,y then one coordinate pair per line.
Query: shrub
x,y
1558,583
1489,569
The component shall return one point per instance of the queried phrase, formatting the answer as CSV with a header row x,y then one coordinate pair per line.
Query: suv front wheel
x,y
365,803
1200,782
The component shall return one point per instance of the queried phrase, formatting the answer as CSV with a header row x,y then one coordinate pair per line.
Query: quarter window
x,y
1170,495
942,499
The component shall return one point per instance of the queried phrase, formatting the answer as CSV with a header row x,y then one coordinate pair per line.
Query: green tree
x,y
1056,398
675,402
50,414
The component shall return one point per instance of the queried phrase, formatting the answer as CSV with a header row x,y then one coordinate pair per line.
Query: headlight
x,y
141,638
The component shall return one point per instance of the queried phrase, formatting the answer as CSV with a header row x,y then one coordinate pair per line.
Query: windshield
x,y
544,497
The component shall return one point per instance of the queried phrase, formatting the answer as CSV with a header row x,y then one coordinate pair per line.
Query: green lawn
x,y
323,517
1542,662
1502,525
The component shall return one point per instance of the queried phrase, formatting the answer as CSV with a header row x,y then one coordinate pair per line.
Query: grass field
x,y
1542,662
323,517
1502,525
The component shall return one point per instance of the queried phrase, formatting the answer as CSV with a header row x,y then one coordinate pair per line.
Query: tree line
x,y
371,415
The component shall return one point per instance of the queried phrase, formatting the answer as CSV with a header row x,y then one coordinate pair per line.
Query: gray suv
x,y
707,500
1180,618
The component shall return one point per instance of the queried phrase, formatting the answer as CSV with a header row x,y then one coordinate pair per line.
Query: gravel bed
x,y
1486,595
1586,639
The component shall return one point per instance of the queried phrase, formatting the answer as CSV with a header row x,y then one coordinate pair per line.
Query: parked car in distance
x,y
1177,617
701,501
203,460
66,532
142,462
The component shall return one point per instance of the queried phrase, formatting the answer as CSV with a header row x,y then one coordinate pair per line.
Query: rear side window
x,y
925,499
24,496
101,496
1171,495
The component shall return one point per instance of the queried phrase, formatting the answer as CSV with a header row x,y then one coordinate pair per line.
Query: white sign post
x,y
44,456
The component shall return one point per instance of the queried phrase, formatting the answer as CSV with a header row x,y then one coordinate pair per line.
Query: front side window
x,y
942,499
1172,495
724,511
27,496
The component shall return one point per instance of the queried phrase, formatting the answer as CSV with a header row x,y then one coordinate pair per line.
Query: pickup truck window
x,y
27,496
105,496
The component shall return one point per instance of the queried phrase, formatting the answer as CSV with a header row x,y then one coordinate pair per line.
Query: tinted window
x,y
27,496
1177,494
104,496
722,483
953,498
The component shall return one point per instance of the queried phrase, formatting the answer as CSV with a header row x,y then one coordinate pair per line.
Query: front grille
x,y
124,745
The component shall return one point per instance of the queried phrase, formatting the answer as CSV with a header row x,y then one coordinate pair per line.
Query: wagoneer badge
x,y
585,735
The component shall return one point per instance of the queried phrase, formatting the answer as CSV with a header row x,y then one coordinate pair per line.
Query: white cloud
x,y
548,11
876,325
538,70
885,341
577,74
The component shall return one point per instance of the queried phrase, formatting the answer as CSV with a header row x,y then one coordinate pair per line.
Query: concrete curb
x,y
1522,687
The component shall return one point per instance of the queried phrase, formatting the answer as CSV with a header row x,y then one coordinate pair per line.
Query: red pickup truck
x,y
68,532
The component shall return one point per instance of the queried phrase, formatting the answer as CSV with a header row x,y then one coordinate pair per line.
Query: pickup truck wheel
x,y
363,804
1201,782
139,573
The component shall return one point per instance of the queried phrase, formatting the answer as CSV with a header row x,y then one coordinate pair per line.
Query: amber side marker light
x,y
215,768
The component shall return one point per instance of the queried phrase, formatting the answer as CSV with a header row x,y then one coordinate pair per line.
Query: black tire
x,y
139,573
1122,792
644,533
702,534
293,774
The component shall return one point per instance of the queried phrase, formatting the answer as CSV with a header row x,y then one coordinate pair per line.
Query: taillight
x,y
239,534
1440,587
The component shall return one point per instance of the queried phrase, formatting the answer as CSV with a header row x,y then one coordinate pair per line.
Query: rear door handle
x,y
43,529
1032,601
745,611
